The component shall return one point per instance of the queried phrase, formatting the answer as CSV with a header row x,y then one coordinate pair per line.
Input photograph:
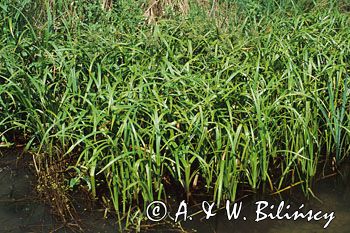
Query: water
x,y
333,195
22,211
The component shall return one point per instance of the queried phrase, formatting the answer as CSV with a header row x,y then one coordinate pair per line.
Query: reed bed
x,y
254,97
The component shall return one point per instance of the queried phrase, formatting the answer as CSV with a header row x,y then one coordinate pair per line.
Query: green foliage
x,y
135,106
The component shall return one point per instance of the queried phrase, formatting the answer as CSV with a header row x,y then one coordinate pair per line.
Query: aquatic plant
x,y
204,104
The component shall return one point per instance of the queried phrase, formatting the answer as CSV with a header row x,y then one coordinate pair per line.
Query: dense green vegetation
x,y
234,93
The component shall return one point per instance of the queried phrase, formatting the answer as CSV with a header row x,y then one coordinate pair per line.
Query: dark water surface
x,y
332,195
22,211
